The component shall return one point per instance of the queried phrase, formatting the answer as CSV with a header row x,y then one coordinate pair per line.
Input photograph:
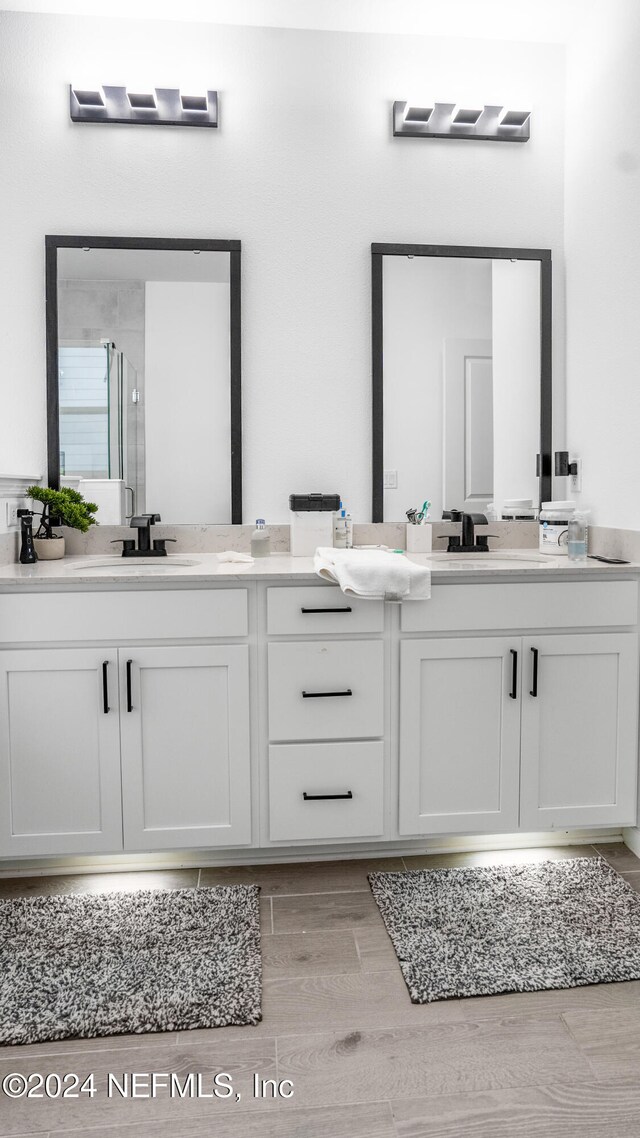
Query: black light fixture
x,y
564,468
161,106
490,123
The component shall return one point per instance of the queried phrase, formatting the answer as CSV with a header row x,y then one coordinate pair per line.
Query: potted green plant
x,y
64,507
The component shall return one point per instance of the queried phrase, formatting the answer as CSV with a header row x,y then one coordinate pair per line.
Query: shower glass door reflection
x,y
100,431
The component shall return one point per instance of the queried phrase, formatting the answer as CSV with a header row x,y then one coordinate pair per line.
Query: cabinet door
x,y
579,731
459,735
185,746
59,752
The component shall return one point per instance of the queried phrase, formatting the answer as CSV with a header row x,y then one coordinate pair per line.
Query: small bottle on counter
x,y
260,540
342,530
578,533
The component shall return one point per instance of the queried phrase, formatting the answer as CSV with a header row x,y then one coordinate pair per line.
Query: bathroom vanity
x,y
196,705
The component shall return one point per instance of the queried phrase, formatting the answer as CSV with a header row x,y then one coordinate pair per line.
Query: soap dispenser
x,y
28,555
260,540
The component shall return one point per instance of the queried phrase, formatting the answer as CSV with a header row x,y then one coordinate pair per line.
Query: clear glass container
x,y
260,540
578,536
554,527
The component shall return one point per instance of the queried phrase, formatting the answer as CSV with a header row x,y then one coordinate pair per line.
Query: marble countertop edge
x,y
78,572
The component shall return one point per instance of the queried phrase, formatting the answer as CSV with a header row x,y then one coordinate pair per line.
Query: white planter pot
x,y
49,548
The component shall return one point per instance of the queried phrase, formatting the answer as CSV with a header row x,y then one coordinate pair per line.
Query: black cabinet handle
x,y
514,674
129,703
105,687
309,611
324,694
324,797
534,680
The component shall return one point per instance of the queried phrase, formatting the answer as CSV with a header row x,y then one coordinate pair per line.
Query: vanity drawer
x,y
553,604
326,689
323,609
131,615
354,771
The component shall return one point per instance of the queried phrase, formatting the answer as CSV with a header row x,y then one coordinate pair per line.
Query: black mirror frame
x,y
378,251
55,242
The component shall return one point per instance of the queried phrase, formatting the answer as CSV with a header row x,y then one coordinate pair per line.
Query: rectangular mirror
x,y
461,341
143,376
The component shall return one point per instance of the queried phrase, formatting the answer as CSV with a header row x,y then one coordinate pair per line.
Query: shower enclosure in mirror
x,y
143,375
461,341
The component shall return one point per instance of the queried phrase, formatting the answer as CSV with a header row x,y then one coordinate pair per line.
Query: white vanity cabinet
x,y
459,736
520,732
59,752
579,751
326,716
125,746
185,746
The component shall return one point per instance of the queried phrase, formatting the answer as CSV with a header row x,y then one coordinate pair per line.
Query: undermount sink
x,y
127,565
496,559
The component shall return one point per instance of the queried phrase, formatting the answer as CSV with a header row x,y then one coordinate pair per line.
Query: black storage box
x,y
318,503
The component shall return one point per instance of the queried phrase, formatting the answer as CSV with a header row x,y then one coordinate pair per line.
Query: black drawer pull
x,y
105,687
324,797
309,611
129,701
514,674
324,694
534,680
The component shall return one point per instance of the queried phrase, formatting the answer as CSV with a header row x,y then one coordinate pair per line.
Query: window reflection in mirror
x,y
144,381
461,382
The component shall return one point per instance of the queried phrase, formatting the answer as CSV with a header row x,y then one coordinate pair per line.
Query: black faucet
x,y
469,541
143,523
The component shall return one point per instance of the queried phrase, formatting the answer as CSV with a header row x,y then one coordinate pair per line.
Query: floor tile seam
x,y
329,976
324,929
180,1039
319,893
358,971
196,1115
323,932
583,1053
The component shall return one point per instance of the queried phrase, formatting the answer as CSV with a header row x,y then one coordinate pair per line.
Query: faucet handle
x,y
127,544
160,542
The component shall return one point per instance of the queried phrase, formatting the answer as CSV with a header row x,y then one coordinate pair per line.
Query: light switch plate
x,y
11,518
390,480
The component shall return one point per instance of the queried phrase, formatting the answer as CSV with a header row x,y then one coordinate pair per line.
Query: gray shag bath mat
x,y
106,964
504,928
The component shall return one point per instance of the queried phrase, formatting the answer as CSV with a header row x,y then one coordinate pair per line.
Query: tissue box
x,y
419,538
310,529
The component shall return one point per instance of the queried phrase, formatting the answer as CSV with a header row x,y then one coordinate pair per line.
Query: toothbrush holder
x,y
419,538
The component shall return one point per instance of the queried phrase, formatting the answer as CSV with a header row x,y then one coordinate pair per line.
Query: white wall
x,y
303,169
187,404
603,263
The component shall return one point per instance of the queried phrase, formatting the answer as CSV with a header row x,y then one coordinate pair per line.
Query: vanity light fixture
x,y
142,102
489,123
162,106
564,468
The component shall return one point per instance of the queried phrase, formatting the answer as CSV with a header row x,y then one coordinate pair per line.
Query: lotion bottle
x,y
260,540
343,530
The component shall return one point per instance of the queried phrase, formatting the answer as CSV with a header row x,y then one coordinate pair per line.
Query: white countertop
x,y
205,568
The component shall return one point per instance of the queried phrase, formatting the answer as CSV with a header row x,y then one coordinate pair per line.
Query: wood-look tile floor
x,y
337,1022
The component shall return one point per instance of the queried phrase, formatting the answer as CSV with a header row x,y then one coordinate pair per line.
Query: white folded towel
x,y
374,574
233,555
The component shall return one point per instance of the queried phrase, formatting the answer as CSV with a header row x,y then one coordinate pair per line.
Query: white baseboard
x,y
200,859
631,838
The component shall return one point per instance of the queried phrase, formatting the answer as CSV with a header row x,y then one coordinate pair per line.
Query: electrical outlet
x,y
575,480
390,480
12,519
